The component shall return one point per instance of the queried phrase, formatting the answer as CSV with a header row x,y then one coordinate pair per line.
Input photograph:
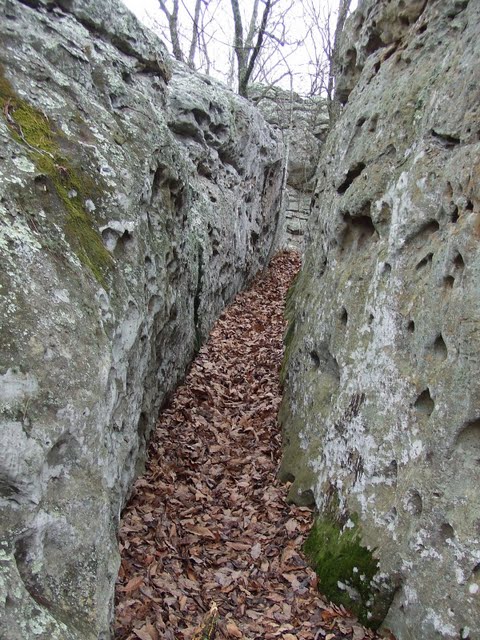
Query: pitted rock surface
x,y
382,408
133,206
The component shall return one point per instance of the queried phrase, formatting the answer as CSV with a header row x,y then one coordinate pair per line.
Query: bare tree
x,y
172,17
264,45
245,50
196,30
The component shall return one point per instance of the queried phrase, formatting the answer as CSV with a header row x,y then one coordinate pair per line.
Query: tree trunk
x,y
173,28
195,34
246,54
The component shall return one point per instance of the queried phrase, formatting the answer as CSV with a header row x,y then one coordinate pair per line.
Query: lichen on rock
x,y
381,402
121,238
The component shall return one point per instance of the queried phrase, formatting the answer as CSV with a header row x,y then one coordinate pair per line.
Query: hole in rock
x,y
469,206
286,476
445,139
458,261
343,316
372,125
8,488
360,122
374,42
429,455
154,304
448,282
357,232
440,348
389,53
315,358
424,404
468,440
371,318
391,472
41,183
200,117
125,241
385,215
446,532
325,361
387,268
425,261
414,502
454,215
423,28
352,174
424,233
411,326
203,169
24,554
59,452
476,569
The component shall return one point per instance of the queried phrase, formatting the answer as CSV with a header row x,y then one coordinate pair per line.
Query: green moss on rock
x,y
345,568
30,127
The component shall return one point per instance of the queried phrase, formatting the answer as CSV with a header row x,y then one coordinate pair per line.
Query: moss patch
x,y
31,128
345,568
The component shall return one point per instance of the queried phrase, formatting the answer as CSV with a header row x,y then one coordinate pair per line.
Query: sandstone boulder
x,y
133,206
382,407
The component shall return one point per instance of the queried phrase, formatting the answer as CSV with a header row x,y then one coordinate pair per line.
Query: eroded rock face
x,y
303,125
133,205
382,408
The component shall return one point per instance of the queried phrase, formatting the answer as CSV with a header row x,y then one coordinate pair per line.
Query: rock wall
x,y
382,400
303,124
133,205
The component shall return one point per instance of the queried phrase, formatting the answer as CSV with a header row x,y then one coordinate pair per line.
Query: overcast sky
x,y
220,33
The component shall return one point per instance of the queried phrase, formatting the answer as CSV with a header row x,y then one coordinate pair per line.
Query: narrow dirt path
x,y
208,522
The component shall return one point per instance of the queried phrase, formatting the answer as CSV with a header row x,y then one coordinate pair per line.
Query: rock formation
x,y
382,405
133,205
303,123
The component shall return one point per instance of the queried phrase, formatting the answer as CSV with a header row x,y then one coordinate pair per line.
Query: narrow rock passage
x,y
208,522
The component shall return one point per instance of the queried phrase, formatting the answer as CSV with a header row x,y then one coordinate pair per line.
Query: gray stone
x,y
131,211
381,415
303,124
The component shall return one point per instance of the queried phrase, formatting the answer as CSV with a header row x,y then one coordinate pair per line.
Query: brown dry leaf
x,y
256,551
144,634
133,584
291,525
358,632
232,630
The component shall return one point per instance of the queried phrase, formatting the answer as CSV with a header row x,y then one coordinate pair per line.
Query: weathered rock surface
x,y
303,123
382,406
133,205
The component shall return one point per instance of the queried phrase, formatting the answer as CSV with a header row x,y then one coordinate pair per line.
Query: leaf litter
x,y
208,524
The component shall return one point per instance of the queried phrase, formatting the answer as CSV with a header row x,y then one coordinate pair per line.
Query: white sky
x,y
220,32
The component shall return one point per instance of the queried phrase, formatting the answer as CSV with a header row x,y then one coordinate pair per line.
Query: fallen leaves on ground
x,y
208,523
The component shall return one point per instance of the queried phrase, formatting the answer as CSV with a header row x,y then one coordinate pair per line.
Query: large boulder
x,y
381,415
133,206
